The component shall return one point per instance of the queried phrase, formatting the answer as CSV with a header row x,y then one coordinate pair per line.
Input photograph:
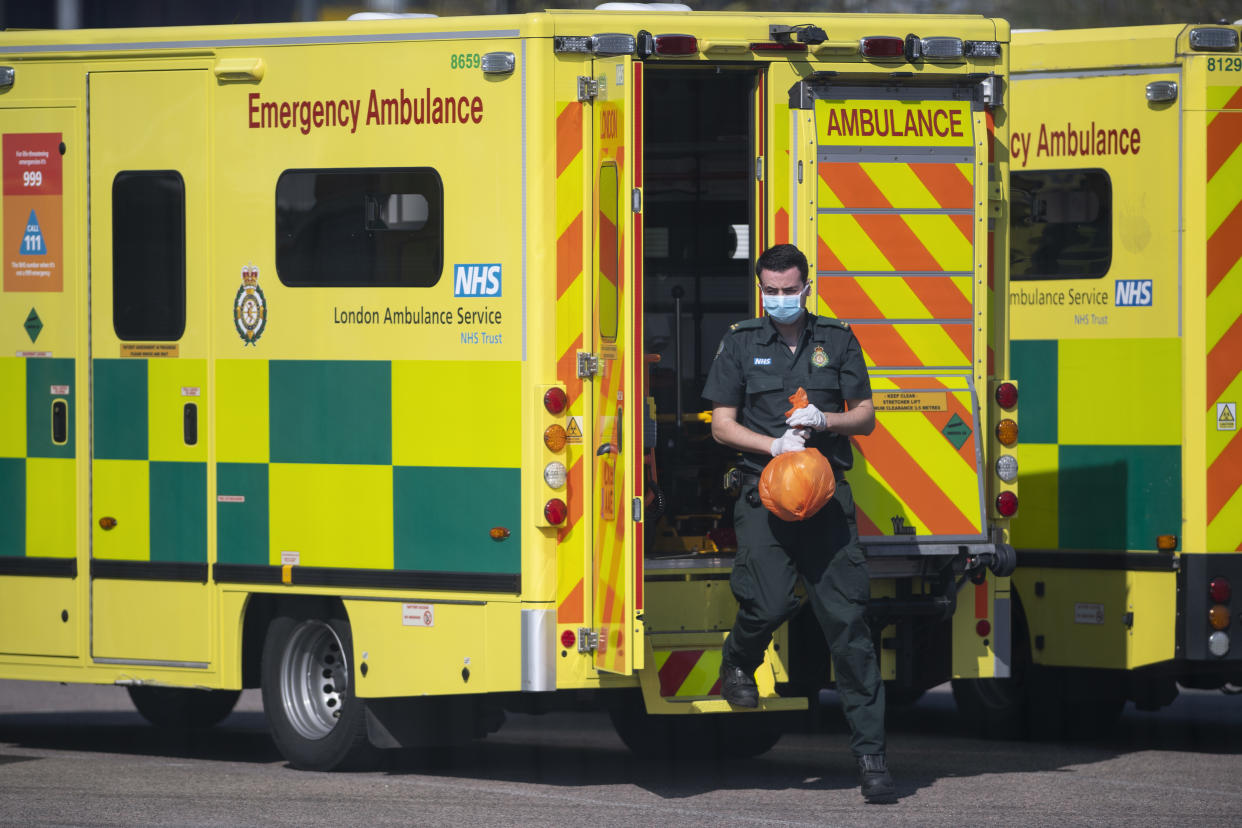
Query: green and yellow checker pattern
x,y
37,485
403,465
144,474
1100,460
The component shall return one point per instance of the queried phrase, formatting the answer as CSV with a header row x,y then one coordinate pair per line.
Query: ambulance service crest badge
x,y
249,307
818,358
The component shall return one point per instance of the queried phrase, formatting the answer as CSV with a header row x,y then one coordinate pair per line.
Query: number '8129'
x,y
1225,64
464,61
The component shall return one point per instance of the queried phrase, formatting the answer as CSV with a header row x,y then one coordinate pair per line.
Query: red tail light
x,y
555,511
1220,590
568,639
676,44
983,627
882,47
555,400
1006,395
1007,504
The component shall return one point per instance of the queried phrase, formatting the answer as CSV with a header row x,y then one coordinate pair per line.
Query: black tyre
x,y
694,736
992,708
308,694
183,708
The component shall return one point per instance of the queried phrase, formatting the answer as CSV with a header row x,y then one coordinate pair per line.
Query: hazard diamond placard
x,y
33,218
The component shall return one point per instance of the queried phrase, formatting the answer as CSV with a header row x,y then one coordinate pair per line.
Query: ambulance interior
x,y
697,281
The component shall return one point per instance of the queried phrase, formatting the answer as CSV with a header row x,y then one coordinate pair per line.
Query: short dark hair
x,y
780,257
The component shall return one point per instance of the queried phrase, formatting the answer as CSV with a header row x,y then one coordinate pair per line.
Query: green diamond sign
x,y
33,325
956,431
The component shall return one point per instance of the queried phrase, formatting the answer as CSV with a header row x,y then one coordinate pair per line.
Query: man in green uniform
x,y
760,363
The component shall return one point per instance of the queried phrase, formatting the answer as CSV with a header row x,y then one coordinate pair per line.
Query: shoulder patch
x,y
746,325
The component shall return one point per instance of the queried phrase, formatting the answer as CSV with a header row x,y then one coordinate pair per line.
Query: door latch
x,y
588,365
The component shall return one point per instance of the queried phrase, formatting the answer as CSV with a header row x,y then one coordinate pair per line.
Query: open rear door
x,y
900,245
617,339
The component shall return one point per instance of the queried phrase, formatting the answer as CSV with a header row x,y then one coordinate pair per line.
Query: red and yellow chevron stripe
x,y
569,312
1223,328
688,673
896,258
908,468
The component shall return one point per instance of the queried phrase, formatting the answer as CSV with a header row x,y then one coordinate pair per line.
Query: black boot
x,y
877,783
737,686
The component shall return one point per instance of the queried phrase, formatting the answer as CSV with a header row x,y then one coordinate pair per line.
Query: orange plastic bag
x,y
795,485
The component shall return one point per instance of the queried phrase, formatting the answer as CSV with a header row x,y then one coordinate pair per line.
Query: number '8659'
x,y
464,61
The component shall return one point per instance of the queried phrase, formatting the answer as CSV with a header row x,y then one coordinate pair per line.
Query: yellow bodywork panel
x,y
306,502
51,514
38,616
122,491
1083,618
151,621
434,647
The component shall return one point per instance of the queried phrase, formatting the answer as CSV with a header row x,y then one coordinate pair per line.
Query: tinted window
x,y
356,228
1061,226
148,255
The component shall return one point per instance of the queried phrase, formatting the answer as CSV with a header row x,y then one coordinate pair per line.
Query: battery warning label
x,y
33,217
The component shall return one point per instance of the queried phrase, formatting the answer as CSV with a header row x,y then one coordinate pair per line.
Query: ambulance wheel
x,y
308,695
183,708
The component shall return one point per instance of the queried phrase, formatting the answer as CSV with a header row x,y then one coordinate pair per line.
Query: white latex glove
x,y
807,417
791,440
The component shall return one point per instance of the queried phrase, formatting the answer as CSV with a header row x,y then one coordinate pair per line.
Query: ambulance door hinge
x,y
588,365
588,640
588,89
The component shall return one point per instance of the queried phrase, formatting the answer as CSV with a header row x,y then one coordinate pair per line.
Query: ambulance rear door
x,y
616,348
896,225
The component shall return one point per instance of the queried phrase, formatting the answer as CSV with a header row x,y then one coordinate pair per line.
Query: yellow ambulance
x,y
1125,302
360,361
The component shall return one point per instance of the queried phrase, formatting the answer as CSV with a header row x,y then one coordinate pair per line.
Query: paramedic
x,y
759,364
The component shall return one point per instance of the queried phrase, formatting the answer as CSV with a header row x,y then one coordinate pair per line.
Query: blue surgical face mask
x,y
783,309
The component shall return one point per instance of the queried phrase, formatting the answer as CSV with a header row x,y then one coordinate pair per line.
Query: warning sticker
x,y
147,350
33,219
910,400
1088,613
418,615
1227,416
573,430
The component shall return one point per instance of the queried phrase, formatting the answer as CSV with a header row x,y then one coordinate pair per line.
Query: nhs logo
x,y
478,280
1132,293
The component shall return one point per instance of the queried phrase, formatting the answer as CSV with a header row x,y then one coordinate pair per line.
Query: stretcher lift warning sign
x,y
33,212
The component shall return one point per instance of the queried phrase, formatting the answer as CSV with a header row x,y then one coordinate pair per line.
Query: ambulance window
x,y
360,228
1061,225
609,252
148,255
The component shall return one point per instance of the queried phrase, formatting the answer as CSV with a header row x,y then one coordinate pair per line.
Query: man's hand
x,y
791,440
807,417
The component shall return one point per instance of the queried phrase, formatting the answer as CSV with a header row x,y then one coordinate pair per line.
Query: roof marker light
x,y
1214,39
981,48
676,45
942,48
882,47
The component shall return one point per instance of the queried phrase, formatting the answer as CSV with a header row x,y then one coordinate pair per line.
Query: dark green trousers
x,y
771,555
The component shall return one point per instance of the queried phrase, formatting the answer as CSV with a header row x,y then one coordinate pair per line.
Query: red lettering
x,y
955,124
864,122
476,109
254,96
940,131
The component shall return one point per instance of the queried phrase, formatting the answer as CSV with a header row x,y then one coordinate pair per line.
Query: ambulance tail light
x,y
555,400
676,45
1214,39
1006,395
568,639
1007,504
1220,590
555,511
882,47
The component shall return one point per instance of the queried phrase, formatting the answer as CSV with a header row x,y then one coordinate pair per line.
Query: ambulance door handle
x,y
60,422
189,420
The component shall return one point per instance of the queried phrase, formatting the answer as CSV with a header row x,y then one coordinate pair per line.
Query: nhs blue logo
x,y
1133,293
476,280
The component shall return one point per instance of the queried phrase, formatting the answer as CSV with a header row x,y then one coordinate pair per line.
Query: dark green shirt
x,y
756,372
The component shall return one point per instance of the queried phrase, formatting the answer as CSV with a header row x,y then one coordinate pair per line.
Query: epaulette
x,y
746,325
830,322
